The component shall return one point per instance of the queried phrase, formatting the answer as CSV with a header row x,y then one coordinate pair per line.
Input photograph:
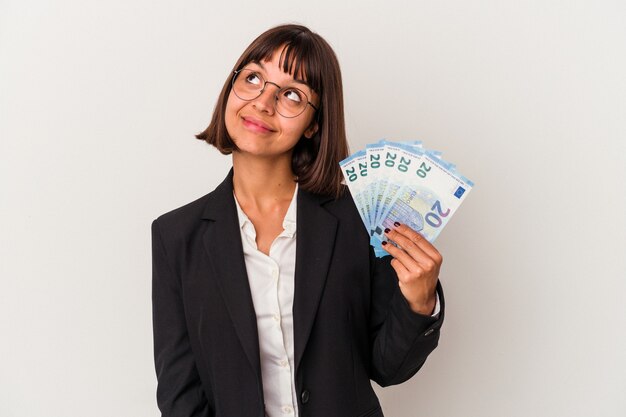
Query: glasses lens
x,y
291,102
248,84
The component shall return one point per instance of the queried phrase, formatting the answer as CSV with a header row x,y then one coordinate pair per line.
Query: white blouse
x,y
271,281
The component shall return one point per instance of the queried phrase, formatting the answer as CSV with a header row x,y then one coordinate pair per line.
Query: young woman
x,y
267,297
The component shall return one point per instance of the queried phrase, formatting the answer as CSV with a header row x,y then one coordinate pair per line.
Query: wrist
x,y
427,308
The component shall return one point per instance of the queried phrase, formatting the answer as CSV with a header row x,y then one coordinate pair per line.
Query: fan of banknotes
x,y
403,182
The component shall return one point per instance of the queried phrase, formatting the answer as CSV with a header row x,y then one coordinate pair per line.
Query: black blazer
x,y
351,322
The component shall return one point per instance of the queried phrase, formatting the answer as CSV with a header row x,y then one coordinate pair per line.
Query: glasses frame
x,y
265,83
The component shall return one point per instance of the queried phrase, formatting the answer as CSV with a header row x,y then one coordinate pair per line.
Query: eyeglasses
x,y
289,101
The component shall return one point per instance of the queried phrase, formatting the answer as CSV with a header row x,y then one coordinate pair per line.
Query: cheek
x,y
304,124
230,106
230,113
293,131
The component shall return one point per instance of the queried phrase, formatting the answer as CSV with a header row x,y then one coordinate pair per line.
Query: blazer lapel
x,y
224,248
315,229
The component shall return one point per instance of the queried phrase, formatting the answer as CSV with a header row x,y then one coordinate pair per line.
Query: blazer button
x,y
305,396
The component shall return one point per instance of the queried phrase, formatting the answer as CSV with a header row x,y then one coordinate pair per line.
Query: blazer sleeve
x,y
179,390
401,339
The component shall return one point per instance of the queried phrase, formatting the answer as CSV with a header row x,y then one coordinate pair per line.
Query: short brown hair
x,y
315,161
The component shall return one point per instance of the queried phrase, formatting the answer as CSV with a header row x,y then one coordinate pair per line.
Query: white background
x,y
99,102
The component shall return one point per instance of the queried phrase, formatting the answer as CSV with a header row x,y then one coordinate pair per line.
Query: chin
x,y
262,152
252,149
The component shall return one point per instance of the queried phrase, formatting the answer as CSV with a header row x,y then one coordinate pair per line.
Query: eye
x,y
293,95
253,78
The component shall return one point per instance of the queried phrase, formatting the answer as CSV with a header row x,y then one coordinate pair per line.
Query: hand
x,y
417,263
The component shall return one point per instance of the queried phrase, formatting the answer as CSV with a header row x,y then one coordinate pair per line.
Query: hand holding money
x,y
417,263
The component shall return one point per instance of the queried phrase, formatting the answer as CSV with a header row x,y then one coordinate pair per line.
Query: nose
x,y
266,101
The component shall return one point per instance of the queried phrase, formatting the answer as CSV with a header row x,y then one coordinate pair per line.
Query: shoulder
x,y
181,221
343,203
189,219
184,213
344,208
341,206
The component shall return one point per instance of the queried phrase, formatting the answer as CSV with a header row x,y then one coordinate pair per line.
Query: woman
x,y
267,298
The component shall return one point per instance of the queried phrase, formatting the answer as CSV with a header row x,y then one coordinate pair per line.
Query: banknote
x,y
392,181
354,169
428,201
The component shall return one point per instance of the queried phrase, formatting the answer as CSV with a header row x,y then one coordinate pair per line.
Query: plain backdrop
x,y
99,102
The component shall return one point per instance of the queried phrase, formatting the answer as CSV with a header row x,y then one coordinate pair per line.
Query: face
x,y
256,127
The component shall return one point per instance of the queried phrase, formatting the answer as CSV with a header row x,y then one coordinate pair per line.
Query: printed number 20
x,y
351,172
433,219
423,169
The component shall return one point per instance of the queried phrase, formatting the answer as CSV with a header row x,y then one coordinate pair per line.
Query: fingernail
x,y
387,230
384,242
396,224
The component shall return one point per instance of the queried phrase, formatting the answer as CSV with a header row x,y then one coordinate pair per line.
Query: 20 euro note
x,y
375,153
427,202
388,179
386,183
396,170
354,169
388,165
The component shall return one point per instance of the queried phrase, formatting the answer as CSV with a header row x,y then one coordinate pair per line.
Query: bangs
x,y
299,56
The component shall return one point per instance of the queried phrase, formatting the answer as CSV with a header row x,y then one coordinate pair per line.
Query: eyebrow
x,y
297,80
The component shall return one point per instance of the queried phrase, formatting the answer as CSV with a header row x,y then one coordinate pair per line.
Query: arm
x,y
402,338
179,391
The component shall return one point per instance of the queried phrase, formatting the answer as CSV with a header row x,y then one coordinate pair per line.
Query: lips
x,y
256,124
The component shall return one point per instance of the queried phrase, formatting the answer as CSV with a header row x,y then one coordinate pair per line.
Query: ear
x,y
311,130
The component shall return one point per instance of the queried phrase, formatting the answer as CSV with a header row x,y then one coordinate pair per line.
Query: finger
x,y
409,246
419,241
400,255
400,269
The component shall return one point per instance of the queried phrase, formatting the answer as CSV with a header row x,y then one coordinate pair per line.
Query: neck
x,y
262,182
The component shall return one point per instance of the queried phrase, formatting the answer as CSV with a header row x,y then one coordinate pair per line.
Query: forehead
x,y
271,67
290,59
